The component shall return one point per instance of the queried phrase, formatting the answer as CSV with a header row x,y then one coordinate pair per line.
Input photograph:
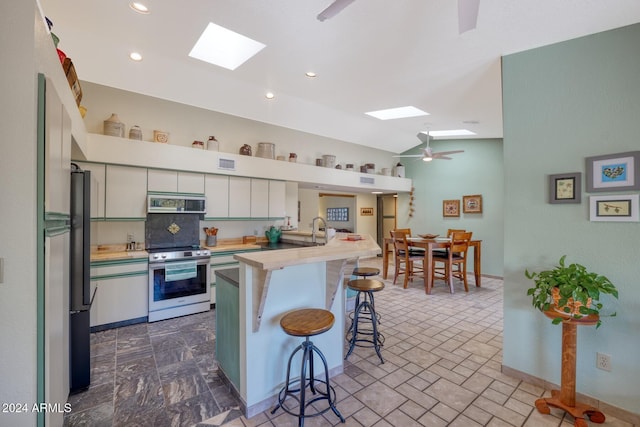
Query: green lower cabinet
x,y
228,324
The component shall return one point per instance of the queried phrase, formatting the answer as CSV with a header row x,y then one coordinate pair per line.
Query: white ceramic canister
x,y
329,161
213,144
266,150
113,126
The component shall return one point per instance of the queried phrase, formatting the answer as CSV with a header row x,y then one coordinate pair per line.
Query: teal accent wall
x,y
479,170
563,103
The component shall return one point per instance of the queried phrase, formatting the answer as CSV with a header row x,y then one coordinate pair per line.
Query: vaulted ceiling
x,y
374,54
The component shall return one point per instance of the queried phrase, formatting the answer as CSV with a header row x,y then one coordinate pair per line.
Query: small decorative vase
x,y
160,136
135,133
113,126
245,150
293,157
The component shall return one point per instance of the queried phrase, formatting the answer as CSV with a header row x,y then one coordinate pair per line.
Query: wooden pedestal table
x,y
565,398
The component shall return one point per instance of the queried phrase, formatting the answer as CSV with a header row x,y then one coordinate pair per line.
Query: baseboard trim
x,y
607,408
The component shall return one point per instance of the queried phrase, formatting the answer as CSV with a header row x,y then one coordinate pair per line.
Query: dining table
x,y
429,245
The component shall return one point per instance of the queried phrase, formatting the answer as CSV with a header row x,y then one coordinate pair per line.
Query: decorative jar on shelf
x,y
135,133
113,126
213,144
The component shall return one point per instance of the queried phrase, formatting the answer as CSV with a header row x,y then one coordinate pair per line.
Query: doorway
x,y
387,208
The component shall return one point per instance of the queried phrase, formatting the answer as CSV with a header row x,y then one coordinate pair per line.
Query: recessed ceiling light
x,y
397,113
135,56
376,192
269,95
453,132
224,48
310,74
139,7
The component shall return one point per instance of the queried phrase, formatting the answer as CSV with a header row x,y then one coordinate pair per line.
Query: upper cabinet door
x,y
259,198
126,192
239,197
217,192
277,199
189,182
162,181
57,133
97,187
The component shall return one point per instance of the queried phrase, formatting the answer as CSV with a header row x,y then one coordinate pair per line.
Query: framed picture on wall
x,y
451,208
613,172
618,208
565,188
472,204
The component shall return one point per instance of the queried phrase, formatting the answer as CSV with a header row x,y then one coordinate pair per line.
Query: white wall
x,y
18,201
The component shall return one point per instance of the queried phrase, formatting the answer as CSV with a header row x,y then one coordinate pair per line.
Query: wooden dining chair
x,y
407,262
454,260
407,231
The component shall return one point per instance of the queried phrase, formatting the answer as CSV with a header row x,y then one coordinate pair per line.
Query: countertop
x,y
337,248
118,253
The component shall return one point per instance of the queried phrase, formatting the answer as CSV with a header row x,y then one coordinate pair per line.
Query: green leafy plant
x,y
578,291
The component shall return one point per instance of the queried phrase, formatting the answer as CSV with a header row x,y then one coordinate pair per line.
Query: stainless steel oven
x,y
179,283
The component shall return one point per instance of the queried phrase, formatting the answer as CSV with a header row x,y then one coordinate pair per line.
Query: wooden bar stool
x,y
365,314
365,272
305,323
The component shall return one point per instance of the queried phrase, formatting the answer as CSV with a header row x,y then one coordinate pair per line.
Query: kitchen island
x,y
272,283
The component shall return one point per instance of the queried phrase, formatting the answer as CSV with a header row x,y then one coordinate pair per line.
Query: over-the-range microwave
x,y
162,203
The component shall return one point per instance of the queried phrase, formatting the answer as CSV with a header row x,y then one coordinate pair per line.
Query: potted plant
x,y
571,290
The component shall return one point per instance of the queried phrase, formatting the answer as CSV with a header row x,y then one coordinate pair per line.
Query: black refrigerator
x,y
80,297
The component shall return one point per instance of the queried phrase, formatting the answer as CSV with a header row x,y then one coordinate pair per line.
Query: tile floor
x,y
442,367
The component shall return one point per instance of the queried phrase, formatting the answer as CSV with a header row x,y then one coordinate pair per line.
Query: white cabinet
x,y
123,291
216,189
163,181
190,182
97,187
169,181
259,198
277,199
57,154
239,197
126,192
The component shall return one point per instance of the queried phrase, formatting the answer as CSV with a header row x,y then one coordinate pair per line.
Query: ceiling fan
x,y
467,13
427,154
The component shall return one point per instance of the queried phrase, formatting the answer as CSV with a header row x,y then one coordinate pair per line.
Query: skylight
x,y
454,132
397,113
224,48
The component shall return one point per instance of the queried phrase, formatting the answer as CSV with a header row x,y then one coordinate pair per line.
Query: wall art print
x,y
613,172
472,204
618,208
565,188
451,208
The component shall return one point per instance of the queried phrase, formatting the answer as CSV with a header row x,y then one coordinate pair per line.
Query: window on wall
x,y
338,214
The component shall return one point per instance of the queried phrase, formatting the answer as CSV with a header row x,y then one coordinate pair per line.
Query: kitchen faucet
x,y
313,229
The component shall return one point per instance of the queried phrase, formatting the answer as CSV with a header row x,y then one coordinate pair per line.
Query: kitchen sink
x,y
288,245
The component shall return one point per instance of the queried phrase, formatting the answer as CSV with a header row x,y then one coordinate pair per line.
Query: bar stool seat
x,y
305,323
365,313
365,271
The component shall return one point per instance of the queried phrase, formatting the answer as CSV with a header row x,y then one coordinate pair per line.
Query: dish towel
x,y
180,271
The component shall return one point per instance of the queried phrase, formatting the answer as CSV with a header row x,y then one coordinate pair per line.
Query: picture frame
x,y
366,211
451,208
472,203
338,214
614,208
613,172
565,188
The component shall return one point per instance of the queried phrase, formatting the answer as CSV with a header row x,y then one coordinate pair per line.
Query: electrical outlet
x,y
603,361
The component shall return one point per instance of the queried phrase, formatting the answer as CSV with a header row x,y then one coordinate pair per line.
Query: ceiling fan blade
x,y
443,158
467,15
446,153
333,9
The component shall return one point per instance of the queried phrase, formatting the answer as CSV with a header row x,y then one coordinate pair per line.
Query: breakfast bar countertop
x,y
337,248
